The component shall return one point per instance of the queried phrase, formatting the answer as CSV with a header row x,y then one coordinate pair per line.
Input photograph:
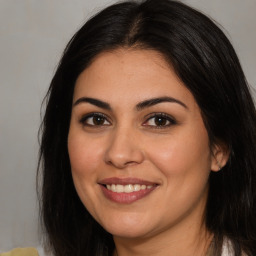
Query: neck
x,y
187,244
188,237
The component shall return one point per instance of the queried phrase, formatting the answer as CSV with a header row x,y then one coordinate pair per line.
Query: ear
x,y
220,156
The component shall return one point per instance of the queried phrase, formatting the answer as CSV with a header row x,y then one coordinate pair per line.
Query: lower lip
x,y
126,198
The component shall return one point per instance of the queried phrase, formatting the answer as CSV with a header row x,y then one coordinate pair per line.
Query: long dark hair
x,y
206,62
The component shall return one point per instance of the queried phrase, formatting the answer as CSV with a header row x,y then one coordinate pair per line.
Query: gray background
x,y
33,34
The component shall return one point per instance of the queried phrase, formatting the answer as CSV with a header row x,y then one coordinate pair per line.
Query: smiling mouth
x,y
129,188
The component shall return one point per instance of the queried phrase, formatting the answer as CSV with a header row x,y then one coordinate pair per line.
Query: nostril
x,y
122,153
121,164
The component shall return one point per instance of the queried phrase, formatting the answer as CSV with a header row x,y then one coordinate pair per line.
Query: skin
x,y
129,142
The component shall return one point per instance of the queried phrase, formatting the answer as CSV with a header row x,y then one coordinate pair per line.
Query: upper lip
x,y
125,181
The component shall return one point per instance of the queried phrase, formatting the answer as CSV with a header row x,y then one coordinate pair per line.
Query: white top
x,y
227,249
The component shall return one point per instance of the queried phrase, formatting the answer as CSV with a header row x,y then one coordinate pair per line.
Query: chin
x,y
127,227
130,233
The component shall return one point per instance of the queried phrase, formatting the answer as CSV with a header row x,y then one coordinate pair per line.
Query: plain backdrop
x,y
33,34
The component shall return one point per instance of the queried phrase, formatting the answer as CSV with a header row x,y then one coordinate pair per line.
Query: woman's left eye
x,y
159,121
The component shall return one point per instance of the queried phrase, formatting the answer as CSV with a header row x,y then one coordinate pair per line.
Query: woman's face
x,y
138,147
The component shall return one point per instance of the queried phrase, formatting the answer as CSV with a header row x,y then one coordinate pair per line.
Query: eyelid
x,y
168,117
93,114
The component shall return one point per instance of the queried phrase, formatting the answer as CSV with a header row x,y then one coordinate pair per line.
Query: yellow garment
x,y
21,252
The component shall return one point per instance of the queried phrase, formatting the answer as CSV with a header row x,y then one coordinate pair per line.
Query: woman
x,y
148,140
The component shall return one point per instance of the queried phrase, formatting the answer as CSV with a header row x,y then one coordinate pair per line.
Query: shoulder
x,y
21,252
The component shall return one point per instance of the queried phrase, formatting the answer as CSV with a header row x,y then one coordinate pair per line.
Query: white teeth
x,y
119,188
113,187
127,188
143,187
136,187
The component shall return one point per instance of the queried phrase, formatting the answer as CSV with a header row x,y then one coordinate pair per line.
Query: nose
x,y
123,149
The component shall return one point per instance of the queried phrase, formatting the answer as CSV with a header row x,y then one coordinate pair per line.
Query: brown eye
x,y
98,120
95,120
160,120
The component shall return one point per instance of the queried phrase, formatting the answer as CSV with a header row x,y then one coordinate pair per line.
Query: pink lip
x,y
126,181
126,198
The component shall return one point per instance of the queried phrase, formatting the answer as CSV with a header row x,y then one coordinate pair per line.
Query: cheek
x,y
84,156
182,154
84,159
185,166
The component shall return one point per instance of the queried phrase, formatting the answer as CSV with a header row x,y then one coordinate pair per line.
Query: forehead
x,y
132,75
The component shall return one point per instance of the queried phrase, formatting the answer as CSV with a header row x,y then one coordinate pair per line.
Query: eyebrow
x,y
154,101
140,106
98,103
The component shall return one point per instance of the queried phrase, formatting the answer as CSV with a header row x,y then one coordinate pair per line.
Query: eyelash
x,y
84,119
166,118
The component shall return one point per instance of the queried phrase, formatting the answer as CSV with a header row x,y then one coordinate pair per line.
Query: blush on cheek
x,y
78,155
82,163
167,158
181,158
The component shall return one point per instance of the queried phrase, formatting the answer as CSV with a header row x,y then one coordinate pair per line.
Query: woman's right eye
x,y
95,119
